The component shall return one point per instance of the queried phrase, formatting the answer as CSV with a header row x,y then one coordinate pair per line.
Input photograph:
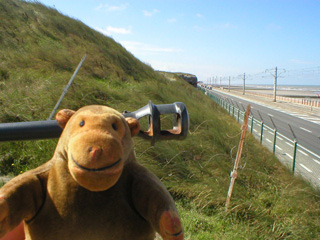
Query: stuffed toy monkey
x,y
92,188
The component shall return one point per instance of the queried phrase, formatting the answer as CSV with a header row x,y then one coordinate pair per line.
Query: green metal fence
x,y
287,149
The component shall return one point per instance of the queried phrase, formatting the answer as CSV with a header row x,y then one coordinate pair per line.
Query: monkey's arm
x,y
154,203
20,199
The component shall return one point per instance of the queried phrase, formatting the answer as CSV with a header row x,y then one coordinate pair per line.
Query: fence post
x,y
294,155
261,134
238,115
234,173
274,135
252,124
294,148
274,141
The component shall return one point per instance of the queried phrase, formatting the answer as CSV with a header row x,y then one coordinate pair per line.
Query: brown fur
x,y
92,188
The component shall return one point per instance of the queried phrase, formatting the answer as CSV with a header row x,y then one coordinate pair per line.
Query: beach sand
x,y
287,92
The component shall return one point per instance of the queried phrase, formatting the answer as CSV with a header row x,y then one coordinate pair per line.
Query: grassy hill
x,y
40,48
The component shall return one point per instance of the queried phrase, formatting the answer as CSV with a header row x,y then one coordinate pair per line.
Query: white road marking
x,y
281,149
289,144
305,168
288,155
316,161
255,130
314,154
303,153
270,115
306,130
280,138
313,119
268,140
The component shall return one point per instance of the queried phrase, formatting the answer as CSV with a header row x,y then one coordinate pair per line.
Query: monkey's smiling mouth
x,y
96,169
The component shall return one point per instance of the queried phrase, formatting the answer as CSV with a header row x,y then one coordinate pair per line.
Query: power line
x,y
268,75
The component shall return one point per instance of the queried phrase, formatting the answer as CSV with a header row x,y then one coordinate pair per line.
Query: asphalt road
x,y
307,133
289,128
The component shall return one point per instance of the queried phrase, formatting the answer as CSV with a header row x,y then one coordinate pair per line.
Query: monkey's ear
x,y
63,117
134,126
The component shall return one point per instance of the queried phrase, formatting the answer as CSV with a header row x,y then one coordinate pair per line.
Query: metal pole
x,y
261,134
238,114
262,123
244,84
275,85
67,87
251,124
274,135
294,155
274,141
229,83
29,130
294,148
294,136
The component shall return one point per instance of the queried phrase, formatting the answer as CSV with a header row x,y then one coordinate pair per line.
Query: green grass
x,y
39,50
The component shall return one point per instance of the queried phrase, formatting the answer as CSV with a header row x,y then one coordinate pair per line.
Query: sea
x,y
287,87
312,91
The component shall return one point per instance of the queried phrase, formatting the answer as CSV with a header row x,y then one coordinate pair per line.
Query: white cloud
x,y
224,26
150,13
109,30
171,20
139,47
109,8
199,15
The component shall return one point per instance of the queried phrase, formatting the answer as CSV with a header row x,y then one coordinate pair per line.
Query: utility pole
x,y
275,84
244,84
229,83
275,75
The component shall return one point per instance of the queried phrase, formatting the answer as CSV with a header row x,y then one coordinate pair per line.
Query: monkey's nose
x,y
95,152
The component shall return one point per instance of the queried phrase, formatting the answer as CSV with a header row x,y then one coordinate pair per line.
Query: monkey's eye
x,y
114,126
82,123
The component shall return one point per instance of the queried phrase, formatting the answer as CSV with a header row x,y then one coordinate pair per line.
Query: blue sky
x,y
211,38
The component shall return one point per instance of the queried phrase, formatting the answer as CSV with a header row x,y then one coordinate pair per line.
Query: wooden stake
x,y
234,173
